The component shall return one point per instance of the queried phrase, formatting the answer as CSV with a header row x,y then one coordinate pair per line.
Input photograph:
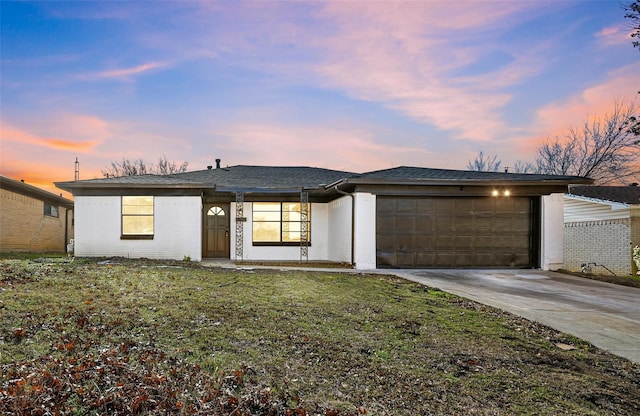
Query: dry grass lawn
x,y
143,337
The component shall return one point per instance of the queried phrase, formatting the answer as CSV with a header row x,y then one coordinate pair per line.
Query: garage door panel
x,y
454,232
404,223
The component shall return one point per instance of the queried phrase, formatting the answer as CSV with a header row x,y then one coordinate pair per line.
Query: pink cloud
x,y
124,73
395,53
613,35
45,151
9,133
118,73
557,117
348,148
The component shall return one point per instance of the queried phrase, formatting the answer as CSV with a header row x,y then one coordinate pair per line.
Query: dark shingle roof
x,y
266,178
623,194
233,177
416,173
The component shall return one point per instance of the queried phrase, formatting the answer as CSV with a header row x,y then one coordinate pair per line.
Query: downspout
x,y
66,228
353,222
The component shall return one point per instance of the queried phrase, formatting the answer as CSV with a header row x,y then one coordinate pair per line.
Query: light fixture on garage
x,y
499,192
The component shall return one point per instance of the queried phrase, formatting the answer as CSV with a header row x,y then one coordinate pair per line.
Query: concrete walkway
x,y
604,314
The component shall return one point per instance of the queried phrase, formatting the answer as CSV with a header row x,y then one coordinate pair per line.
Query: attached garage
x,y
457,232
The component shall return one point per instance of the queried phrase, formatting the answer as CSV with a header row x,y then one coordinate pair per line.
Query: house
x,y
401,217
601,227
32,219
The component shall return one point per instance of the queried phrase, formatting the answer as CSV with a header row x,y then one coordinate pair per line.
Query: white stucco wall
x,y
318,250
177,229
365,231
552,252
340,230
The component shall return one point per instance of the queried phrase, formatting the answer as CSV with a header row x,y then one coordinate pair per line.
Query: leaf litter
x,y
127,337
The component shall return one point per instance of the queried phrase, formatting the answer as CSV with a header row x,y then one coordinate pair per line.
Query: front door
x,y
216,231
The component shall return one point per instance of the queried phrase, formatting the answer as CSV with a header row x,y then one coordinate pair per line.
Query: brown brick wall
x,y
24,227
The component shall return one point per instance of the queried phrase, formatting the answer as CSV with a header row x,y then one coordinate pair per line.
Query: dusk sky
x,y
348,85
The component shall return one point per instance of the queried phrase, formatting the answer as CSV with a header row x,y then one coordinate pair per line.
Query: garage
x,y
457,232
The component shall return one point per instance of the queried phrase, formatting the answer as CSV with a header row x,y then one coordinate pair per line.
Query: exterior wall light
x,y
504,192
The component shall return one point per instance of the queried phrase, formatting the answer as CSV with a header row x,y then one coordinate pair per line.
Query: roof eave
x,y
478,182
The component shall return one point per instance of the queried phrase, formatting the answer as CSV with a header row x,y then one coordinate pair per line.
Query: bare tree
x,y
633,13
166,167
523,167
484,163
606,149
138,167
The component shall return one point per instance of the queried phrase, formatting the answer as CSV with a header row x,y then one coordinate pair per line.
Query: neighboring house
x,y
400,217
601,227
32,219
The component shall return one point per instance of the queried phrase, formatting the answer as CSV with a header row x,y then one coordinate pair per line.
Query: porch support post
x,y
239,226
304,226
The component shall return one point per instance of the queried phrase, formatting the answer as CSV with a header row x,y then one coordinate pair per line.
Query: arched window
x,y
216,211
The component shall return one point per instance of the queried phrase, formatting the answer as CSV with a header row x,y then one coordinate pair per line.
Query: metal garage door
x,y
454,232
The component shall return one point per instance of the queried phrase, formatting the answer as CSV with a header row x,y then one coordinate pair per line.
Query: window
x,y
137,217
279,223
50,210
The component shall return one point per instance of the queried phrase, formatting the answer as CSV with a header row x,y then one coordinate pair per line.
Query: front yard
x,y
127,337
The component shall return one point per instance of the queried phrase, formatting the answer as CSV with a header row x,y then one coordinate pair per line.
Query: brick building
x,y
601,227
33,220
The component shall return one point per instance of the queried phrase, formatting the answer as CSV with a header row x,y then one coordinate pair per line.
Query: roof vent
x,y
634,184
218,163
209,167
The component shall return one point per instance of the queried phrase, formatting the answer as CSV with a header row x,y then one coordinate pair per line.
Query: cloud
x,y
13,134
405,56
613,35
348,148
123,73
599,99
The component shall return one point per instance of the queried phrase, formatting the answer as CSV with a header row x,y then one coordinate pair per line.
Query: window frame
x,y
51,210
281,223
137,236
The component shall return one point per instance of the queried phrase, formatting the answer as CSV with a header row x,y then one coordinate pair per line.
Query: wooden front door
x,y
216,231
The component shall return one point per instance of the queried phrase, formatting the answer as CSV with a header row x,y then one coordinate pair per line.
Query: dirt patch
x,y
630,281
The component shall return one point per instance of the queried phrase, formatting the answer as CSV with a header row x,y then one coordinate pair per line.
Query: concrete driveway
x,y
606,315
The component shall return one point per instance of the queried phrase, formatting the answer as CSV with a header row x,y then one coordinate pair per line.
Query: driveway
x,y
604,314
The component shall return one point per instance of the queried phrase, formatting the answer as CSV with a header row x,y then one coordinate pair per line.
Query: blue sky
x,y
340,84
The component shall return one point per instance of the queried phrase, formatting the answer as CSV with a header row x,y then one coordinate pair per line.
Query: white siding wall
x,y
319,239
340,230
552,255
578,210
365,230
177,229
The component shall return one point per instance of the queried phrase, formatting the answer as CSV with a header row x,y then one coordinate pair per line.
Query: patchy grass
x,y
144,337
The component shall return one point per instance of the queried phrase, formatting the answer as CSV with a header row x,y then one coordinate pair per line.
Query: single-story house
x,y
32,219
404,217
601,227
